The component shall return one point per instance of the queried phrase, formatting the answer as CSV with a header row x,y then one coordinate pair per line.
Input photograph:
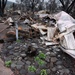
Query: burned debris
x,y
37,42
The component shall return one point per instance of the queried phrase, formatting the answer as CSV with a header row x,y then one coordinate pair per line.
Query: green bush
x,y
43,72
42,55
31,69
8,63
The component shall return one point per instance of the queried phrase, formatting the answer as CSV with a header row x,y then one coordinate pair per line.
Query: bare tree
x,y
67,5
2,6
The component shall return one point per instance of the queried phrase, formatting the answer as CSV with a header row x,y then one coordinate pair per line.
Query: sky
x,y
15,0
12,0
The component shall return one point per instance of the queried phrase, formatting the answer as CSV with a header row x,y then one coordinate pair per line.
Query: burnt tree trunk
x,y
67,7
2,6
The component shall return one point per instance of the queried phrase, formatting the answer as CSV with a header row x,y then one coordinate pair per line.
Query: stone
x,y
51,65
23,55
58,63
47,49
7,59
59,67
11,52
16,48
59,56
53,59
31,73
24,46
26,67
47,58
5,52
19,66
20,63
48,71
13,65
10,47
16,54
64,71
38,71
52,54
28,62
43,66
48,53
23,72
58,50
20,58
34,45
54,69
27,21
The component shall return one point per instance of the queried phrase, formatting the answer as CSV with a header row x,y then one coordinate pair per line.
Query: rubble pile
x,y
40,36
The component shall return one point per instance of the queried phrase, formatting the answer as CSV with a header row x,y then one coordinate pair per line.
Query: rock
x,y
47,49
43,66
48,53
13,65
10,47
47,58
48,71
20,58
23,55
51,65
24,46
11,52
16,48
5,52
23,72
38,71
58,63
20,63
59,56
27,21
7,59
19,66
58,50
28,62
31,73
52,54
16,54
34,45
26,67
64,71
53,59
54,69
59,67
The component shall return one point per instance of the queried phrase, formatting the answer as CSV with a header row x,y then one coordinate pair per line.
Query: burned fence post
x,y
16,30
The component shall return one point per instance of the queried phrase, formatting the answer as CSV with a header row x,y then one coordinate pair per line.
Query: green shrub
x,y
37,58
41,62
8,63
42,55
43,72
31,69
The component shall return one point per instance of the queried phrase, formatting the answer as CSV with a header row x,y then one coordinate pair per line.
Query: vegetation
x,y
41,62
39,58
31,69
8,63
42,55
18,41
43,72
